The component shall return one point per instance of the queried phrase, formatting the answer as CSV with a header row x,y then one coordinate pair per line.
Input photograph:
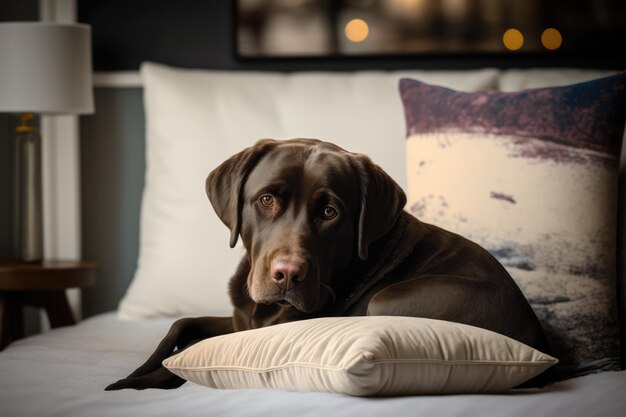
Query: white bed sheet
x,y
64,372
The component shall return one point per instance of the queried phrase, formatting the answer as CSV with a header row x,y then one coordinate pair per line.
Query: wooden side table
x,y
40,285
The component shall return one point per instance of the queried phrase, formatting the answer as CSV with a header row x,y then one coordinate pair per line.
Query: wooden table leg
x,y
11,318
4,323
58,308
55,304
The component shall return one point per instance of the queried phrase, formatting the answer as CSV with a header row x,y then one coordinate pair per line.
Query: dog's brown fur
x,y
326,235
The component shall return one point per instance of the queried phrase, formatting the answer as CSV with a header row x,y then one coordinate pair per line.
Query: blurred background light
x,y
551,39
357,30
513,39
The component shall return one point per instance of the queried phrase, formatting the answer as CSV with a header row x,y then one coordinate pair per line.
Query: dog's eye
x,y
267,200
329,212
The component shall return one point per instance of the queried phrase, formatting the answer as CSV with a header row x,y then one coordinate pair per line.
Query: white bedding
x,y
64,372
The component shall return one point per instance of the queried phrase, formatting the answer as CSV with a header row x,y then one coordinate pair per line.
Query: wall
x,y
23,10
10,11
201,34
7,126
112,168
185,33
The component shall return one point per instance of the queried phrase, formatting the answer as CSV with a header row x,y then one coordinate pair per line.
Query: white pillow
x,y
363,356
517,80
195,119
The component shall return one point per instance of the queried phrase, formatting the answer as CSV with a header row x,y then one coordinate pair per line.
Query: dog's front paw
x,y
161,379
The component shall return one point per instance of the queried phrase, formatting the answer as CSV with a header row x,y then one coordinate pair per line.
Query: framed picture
x,y
330,28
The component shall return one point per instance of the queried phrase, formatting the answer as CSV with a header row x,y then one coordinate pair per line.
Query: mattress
x,y
63,373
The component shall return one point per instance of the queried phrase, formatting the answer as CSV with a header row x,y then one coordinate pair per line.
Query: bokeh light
x,y
551,39
357,30
513,39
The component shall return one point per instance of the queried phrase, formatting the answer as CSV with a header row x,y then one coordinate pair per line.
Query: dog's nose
x,y
287,271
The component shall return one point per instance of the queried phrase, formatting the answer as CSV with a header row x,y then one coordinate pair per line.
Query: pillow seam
x,y
351,363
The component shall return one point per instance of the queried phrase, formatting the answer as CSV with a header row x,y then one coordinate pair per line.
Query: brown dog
x,y
326,235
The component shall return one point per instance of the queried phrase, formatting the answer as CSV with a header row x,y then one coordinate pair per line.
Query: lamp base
x,y
27,210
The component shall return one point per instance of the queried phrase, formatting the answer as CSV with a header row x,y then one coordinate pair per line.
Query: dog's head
x,y
304,209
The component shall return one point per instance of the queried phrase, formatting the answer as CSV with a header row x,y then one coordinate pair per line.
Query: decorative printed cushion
x,y
363,356
532,177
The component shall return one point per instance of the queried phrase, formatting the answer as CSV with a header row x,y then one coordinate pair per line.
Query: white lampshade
x,y
45,68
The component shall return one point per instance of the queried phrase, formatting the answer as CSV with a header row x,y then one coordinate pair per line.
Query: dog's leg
x,y
477,302
183,333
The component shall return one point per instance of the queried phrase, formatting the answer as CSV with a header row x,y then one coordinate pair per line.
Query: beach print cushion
x,y
532,176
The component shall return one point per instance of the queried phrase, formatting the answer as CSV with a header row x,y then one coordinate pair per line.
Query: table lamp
x,y
45,68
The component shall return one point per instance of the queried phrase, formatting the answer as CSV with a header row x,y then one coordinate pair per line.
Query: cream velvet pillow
x,y
363,356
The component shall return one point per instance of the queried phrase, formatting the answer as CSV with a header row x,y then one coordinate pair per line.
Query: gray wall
x,y
10,11
22,10
112,140
201,34
112,173
112,165
7,126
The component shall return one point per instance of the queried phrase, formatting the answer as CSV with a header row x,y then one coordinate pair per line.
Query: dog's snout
x,y
287,271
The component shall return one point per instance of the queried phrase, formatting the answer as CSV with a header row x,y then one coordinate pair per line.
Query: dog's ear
x,y
224,185
382,201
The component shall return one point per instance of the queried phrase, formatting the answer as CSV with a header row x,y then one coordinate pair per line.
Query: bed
x,y
64,371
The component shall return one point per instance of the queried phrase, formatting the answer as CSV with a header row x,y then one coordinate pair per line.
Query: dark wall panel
x,y
188,33
112,175
201,34
10,11
23,10
7,127
185,33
